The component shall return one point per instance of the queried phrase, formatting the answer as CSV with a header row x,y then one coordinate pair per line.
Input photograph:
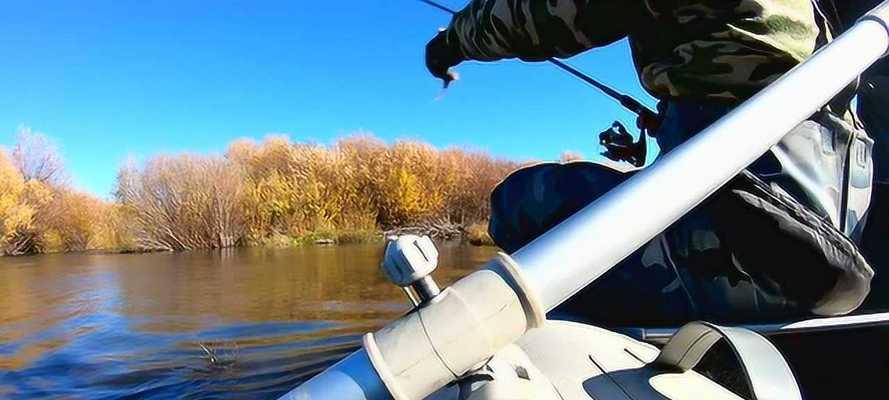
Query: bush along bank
x,y
270,193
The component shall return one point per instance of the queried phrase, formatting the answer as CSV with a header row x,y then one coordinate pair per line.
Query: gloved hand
x,y
440,58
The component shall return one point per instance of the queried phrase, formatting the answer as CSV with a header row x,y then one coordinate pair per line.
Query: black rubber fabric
x,y
786,248
872,103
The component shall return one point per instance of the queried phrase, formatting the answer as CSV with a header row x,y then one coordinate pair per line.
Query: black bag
x,y
795,260
788,249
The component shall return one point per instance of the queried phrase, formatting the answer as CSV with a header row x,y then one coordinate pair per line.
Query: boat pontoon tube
x,y
585,246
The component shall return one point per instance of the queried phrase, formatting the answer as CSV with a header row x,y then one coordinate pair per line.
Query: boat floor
x,y
831,357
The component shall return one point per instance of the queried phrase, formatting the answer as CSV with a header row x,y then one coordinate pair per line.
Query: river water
x,y
245,323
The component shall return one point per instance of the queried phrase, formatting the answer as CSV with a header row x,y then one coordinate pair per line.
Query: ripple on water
x,y
239,324
235,361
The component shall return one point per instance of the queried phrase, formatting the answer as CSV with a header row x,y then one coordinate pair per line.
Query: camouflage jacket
x,y
724,50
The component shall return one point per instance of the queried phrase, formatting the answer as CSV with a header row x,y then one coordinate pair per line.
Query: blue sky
x,y
112,79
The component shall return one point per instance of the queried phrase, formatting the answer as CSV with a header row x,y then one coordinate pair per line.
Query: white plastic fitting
x,y
409,258
455,333
409,261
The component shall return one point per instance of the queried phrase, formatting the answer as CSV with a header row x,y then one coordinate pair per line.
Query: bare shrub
x,y
37,158
184,202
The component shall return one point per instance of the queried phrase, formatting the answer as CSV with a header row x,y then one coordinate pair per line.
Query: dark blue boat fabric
x,y
766,249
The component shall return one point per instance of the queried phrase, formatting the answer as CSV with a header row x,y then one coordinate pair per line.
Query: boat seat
x,y
572,361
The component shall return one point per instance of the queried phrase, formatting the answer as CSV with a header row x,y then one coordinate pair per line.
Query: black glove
x,y
440,57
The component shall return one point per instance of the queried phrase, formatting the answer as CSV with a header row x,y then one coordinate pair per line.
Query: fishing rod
x,y
646,115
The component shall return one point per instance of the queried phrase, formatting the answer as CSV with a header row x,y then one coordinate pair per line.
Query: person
x,y
725,262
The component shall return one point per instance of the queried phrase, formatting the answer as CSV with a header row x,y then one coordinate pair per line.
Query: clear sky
x,y
112,79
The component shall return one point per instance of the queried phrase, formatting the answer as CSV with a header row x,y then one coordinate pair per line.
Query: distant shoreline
x,y
474,235
275,193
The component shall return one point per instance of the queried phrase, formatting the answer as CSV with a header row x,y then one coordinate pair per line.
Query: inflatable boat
x,y
488,337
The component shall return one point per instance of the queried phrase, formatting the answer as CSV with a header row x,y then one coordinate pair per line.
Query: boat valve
x,y
408,262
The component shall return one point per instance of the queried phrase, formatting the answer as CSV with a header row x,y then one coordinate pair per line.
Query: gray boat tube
x,y
584,247
353,378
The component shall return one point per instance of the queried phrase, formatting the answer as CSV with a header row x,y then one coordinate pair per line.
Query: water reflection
x,y
247,323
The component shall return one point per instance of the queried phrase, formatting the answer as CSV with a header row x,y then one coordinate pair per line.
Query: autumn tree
x,y
29,235
78,219
37,158
39,212
13,214
361,182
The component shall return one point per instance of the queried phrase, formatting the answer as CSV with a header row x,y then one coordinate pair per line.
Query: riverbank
x,y
274,193
474,235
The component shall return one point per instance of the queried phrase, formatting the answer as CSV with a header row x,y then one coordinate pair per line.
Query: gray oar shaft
x,y
581,249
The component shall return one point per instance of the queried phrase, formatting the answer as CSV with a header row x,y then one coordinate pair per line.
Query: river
x,y
244,323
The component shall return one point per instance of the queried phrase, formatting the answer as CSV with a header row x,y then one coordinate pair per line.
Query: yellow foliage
x,y
45,218
78,221
113,230
22,206
258,192
13,214
41,214
360,183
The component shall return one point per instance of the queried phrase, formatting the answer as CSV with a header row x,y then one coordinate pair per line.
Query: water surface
x,y
246,323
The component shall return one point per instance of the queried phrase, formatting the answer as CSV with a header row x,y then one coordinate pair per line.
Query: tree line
x,y
273,192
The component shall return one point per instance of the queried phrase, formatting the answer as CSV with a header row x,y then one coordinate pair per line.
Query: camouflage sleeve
x,y
535,30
